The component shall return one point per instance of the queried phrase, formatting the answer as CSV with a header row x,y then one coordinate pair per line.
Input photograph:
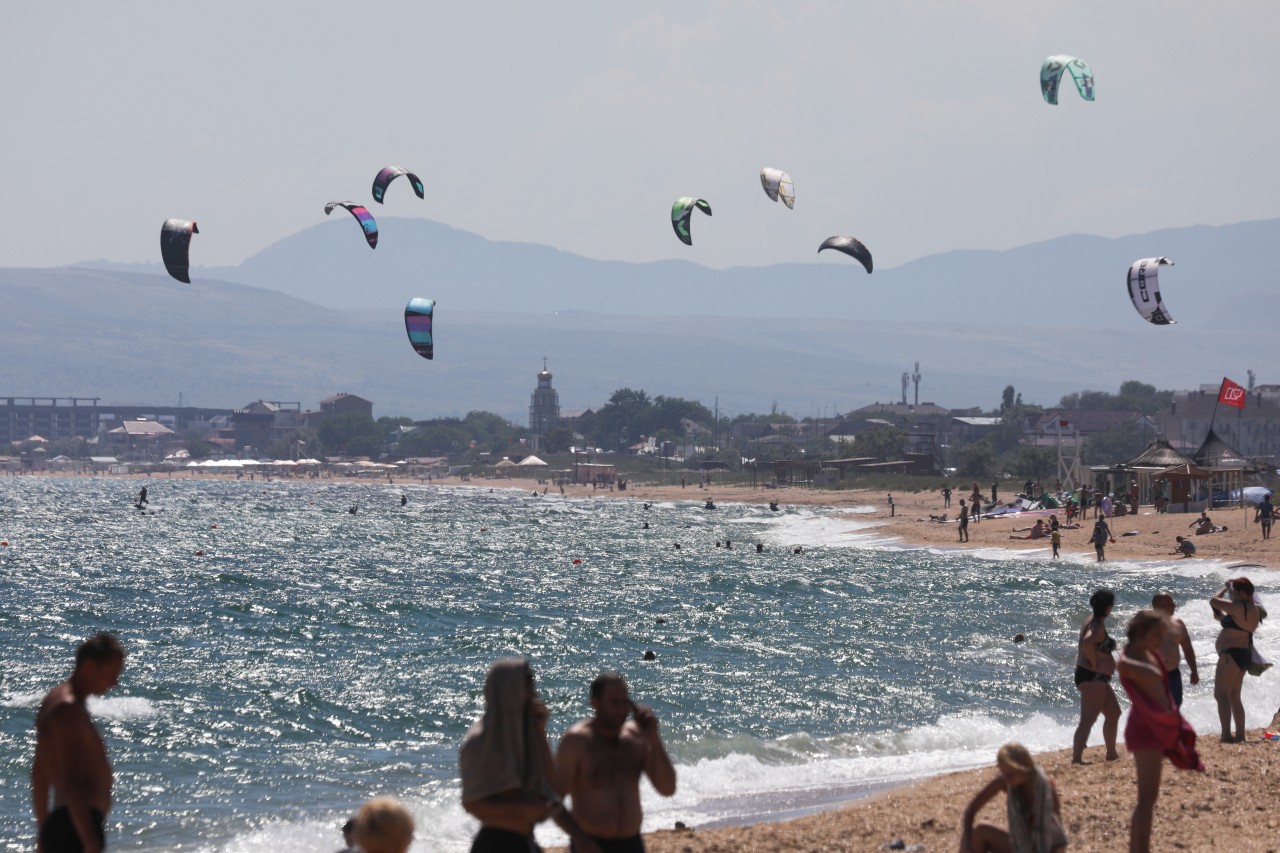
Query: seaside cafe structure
x,y
1189,482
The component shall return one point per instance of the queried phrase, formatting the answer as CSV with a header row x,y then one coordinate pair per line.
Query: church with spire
x,y
544,409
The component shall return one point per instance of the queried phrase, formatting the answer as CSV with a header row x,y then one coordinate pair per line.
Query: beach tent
x,y
532,462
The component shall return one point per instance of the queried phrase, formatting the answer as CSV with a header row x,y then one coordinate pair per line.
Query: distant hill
x,y
144,338
1221,273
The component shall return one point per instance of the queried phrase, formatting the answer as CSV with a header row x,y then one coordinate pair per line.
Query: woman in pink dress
x,y
1155,728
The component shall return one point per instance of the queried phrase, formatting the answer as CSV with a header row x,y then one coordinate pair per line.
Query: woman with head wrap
x,y
1034,812
506,766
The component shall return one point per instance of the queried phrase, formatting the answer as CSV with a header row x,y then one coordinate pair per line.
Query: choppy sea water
x,y
313,658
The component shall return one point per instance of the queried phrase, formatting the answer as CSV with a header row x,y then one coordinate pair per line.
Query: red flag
x,y
1231,394
1063,423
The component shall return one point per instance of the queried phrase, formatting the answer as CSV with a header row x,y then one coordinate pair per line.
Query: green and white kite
x,y
681,211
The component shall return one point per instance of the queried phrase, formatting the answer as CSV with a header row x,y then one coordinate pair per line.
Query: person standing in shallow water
x,y
1176,644
1095,664
599,763
70,758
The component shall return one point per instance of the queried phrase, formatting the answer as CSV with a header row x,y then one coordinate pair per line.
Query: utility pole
x,y
915,377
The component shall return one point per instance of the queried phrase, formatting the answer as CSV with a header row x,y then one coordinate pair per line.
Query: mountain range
x,y
318,312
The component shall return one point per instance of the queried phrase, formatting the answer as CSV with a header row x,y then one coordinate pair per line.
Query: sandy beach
x,y
1231,806
1145,536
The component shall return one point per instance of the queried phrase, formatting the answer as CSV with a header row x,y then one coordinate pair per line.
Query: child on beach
x,y
1034,811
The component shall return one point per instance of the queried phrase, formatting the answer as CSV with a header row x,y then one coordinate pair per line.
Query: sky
x,y
916,125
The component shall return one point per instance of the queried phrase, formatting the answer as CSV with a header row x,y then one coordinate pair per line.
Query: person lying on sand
x,y
1036,531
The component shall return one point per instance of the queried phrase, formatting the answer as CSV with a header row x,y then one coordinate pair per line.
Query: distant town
x,y
1085,436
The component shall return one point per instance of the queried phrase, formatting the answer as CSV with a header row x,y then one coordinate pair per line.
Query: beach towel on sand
x,y
503,750
1040,831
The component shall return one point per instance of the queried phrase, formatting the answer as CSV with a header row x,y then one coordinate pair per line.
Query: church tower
x,y
544,409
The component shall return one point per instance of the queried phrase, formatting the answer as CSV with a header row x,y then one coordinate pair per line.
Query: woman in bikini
x,y
1235,609
1095,665
1155,728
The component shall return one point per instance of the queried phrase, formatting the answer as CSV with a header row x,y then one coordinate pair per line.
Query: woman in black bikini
x,y
1234,607
1095,664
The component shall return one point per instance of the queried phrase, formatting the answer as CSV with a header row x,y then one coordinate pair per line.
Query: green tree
x,y
1118,444
1037,463
73,448
352,434
884,443
1006,399
197,447
302,443
441,437
977,460
558,440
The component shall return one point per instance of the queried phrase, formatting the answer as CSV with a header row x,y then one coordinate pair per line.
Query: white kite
x,y
778,183
1144,290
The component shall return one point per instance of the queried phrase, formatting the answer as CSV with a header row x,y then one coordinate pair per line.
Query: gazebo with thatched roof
x,y
1227,468
1158,457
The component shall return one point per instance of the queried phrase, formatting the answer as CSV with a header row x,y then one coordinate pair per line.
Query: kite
x,y
175,245
778,183
363,216
417,323
851,246
389,174
681,211
1051,77
1144,290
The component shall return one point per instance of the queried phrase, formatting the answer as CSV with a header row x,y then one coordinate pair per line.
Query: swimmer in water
x,y
759,547
404,499
352,509
646,526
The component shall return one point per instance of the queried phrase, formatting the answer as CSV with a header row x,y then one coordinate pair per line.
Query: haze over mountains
x,y
319,312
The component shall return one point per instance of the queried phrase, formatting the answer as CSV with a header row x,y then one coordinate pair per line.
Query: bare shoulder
x,y
579,731
59,709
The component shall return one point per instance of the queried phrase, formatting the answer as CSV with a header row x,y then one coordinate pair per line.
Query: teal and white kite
x,y
1051,77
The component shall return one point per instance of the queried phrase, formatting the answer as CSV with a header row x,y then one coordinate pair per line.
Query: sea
x,y
289,659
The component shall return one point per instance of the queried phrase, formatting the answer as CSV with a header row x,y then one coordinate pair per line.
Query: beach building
x,y
1073,427
134,439
58,418
1253,432
544,409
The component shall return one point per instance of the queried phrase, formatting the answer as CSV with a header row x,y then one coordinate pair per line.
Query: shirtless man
x,y
599,763
71,758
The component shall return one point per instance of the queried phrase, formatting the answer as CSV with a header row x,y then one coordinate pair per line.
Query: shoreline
x,y
1229,806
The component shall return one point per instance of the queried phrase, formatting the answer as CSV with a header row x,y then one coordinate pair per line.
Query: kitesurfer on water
x,y
142,498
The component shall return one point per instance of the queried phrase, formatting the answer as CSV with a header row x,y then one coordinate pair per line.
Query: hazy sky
x,y
917,126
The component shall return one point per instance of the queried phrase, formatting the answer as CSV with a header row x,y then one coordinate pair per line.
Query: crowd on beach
x,y
1149,670
511,780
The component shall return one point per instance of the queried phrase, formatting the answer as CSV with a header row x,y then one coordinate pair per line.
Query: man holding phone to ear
x,y
599,762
